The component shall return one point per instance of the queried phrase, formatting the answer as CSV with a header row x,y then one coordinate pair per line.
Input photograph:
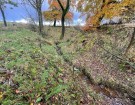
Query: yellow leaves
x,y
55,14
87,8
127,2
31,104
51,15
103,9
1,95
111,10
55,11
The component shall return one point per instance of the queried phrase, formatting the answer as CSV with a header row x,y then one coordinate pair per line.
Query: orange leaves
x,y
96,10
17,91
69,16
54,4
55,11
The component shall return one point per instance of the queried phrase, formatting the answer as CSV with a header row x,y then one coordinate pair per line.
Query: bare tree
x,y
3,6
3,15
37,5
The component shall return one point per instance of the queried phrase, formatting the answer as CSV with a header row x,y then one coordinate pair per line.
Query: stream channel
x,y
111,96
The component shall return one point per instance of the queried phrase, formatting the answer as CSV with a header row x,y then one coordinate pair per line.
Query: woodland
x,y
68,64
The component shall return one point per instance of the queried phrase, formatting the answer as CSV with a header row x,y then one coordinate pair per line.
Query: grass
x,y
39,75
31,66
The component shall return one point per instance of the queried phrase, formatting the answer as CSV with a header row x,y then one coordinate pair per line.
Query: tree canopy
x,y
55,13
64,7
96,10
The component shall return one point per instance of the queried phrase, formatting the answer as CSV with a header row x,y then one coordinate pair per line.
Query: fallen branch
x,y
120,58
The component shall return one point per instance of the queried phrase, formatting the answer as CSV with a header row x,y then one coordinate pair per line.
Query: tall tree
x,y
64,5
96,10
37,5
64,12
55,15
3,4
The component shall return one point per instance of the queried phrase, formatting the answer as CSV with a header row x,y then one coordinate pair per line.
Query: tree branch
x,y
61,5
67,6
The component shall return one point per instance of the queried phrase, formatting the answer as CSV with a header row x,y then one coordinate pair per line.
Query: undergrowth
x,y
36,73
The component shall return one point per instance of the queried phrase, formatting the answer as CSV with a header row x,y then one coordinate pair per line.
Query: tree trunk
x,y
54,23
131,42
40,19
63,27
64,12
3,16
97,25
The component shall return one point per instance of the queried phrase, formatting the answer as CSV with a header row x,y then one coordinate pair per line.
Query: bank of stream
x,y
110,95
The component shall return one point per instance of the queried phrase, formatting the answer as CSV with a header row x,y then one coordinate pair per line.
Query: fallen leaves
x,y
17,91
1,95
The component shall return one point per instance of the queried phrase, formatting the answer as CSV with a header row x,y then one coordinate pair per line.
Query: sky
x,y
19,14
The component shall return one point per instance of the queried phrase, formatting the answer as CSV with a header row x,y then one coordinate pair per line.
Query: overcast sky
x,y
19,13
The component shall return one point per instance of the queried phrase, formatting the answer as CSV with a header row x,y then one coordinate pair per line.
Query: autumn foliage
x,y
96,10
55,13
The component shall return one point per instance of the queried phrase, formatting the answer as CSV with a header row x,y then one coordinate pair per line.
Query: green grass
x,y
40,74
33,68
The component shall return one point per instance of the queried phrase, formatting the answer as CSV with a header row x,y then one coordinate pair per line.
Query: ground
x,y
82,69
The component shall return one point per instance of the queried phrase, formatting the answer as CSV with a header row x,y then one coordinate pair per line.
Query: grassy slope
x,y
37,66
85,51
31,66
35,73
